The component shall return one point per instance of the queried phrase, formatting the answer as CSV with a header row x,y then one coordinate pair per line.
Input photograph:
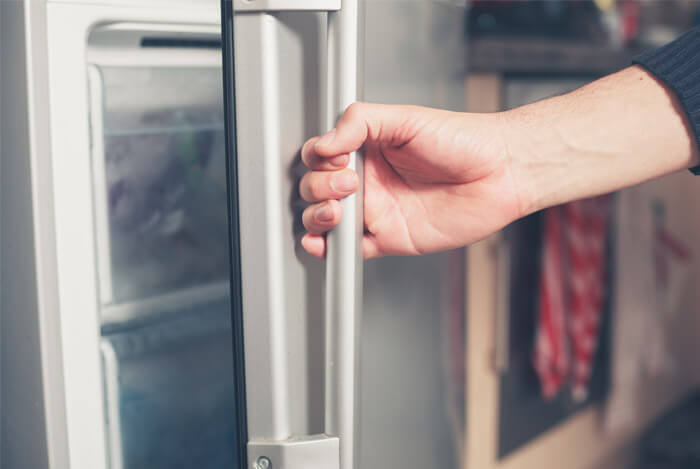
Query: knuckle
x,y
354,110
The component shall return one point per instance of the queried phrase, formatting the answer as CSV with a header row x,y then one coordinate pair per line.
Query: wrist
x,y
534,154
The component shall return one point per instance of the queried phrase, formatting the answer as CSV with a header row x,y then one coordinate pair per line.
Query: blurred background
x,y
616,387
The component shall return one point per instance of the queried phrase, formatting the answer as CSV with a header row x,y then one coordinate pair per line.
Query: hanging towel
x,y
572,288
551,358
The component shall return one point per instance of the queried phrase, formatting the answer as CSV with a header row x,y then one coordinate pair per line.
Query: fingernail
x,y
326,139
324,213
345,181
339,161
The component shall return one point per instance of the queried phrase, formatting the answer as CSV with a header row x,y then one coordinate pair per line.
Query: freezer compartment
x,y
169,394
160,179
161,229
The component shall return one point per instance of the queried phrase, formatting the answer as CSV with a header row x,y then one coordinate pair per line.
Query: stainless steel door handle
x,y
344,249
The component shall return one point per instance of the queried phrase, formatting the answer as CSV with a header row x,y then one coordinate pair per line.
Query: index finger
x,y
361,122
316,162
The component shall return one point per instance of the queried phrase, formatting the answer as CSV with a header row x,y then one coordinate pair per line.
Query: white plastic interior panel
x,y
181,5
155,44
286,5
308,452
121,374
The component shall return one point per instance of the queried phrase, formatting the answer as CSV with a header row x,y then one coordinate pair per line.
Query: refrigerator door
x,y
291,68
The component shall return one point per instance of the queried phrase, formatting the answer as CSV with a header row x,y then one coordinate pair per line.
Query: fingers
x,y
315,244
318,163
320,218
317,186
361,122
370,247
329,179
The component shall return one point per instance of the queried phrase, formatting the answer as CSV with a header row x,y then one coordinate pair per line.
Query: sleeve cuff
x,y
678,65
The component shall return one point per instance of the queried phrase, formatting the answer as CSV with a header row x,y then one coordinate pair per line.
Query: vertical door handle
x,y
337,448
343,300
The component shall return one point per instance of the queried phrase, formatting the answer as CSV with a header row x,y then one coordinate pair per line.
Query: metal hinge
x,y
309,452
286,5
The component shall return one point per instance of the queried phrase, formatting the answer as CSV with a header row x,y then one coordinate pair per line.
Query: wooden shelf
x,y
544,56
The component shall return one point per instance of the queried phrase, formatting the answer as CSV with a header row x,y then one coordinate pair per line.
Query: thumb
x,y
363,122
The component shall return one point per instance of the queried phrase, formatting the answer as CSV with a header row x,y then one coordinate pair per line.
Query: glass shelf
x,y
165,130
160,180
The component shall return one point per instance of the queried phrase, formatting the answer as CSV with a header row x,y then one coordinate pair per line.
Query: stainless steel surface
x,y
309,452
278,70
344,249
33,409
414,52
405,421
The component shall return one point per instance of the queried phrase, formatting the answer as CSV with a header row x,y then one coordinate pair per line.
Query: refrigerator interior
x,y
159,183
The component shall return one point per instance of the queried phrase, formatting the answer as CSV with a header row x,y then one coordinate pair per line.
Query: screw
x,y
262,463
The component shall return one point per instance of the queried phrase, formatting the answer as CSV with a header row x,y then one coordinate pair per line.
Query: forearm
x,y
616,132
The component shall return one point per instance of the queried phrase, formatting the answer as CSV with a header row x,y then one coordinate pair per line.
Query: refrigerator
x,y
158,310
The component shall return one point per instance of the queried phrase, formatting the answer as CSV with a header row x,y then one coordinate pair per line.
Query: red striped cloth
x,y
571,293
551,346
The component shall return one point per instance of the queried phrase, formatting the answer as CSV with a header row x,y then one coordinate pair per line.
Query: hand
x,y
434,180
437,180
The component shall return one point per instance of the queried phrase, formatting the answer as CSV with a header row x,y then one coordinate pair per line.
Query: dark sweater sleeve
x,y
678,65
